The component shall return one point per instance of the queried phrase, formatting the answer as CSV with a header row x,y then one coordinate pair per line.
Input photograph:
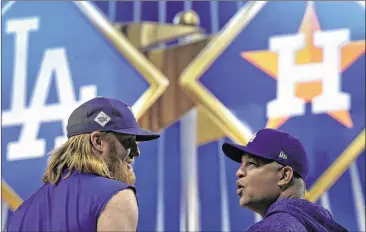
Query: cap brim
x,y
236,151
141,134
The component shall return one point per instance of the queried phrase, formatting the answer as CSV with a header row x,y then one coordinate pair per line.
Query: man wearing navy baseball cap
x,y
88,183
274,166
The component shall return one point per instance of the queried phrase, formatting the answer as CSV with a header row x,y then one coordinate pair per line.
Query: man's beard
x,y
119,169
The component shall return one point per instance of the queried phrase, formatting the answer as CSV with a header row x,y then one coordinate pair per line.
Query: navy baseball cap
x,y
273,145
106,114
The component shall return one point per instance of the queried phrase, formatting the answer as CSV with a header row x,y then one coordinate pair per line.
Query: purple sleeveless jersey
x,y
74,204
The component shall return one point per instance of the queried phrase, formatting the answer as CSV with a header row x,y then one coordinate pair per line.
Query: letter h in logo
x,y
328,71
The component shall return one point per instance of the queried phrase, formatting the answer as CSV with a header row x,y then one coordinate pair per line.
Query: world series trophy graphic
x,y
190,40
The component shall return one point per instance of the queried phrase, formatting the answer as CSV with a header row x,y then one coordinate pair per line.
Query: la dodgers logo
x,y
54,61
308,67
47,74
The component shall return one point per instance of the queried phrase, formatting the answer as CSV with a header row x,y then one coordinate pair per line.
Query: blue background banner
x,y
89,64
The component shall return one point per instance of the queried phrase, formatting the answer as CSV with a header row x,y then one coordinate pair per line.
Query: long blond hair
x,y
75,154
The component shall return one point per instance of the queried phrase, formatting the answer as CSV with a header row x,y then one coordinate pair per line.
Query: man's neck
x,y
261,208
290,193
287,194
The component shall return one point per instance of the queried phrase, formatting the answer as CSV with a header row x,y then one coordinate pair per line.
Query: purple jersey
x,y
296,215
74,204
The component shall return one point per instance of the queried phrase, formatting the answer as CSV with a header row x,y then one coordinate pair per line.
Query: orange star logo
x,y
267,61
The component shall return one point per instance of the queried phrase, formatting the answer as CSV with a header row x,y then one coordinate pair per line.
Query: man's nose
x,y
240,173
135,152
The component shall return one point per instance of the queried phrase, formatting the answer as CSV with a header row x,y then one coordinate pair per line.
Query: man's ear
x,y
286,176
96,141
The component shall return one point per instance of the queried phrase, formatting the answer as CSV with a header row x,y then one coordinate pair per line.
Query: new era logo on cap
x,y
102,119
282,155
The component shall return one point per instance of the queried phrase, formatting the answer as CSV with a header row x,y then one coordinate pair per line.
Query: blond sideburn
x,y
75,154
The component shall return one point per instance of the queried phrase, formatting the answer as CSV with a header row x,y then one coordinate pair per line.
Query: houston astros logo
x,y
308,68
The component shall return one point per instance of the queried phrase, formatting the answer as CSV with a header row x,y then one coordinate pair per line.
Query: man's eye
x,y
129,144
252,163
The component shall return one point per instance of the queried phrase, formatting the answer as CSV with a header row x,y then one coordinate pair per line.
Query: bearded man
x,y
88,183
